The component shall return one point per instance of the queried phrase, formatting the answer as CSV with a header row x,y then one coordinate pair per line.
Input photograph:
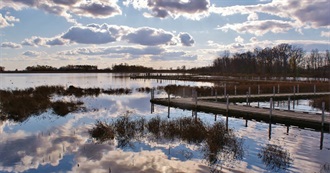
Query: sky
x,y
153,33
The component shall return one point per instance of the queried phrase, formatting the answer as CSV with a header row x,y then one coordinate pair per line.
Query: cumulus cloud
x,y
115,50
89,35
98,9
7,20
325,34
239,39
186,39
31,53
259,27
192,9
176,55
41,41
302,13
149,36
93,9
103,34
10,45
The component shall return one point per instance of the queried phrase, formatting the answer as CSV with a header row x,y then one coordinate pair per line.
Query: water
x,y
50,143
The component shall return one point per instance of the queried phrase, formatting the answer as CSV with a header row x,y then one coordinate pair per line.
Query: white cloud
x,y
186,39
114,51
41,41
239,39
301,12
253,16
31,53
175,55
259,27
89,35
10,45
191,9
149,36
93,9
325,34
7,20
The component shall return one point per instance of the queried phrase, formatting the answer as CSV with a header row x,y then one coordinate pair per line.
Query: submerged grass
x,y
20,104
218,143
275,157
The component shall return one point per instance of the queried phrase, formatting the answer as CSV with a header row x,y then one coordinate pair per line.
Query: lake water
x,y
50,143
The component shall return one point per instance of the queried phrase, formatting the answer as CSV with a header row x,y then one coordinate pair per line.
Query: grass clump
x,y
62,108
102,131
275,157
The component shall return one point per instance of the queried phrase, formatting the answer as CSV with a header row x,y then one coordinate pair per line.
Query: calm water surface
x,y
50,143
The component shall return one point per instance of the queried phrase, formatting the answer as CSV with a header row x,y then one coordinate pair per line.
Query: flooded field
x,y
116,130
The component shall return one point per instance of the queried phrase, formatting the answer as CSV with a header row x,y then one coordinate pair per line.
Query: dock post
x,y
294,97
258,89
247,98
184,92
211,91
314,89
225,90
289,103
216,95
273,90
298,88
215,117
249,91
152,93
227,103
278,88
271,108
323,107
168,109
235,90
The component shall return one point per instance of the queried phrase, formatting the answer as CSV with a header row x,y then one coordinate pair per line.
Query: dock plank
x,y
287,117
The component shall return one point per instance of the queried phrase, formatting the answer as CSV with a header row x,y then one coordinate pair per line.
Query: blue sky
x,y
153,33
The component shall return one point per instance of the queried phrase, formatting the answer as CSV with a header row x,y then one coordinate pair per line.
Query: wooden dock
x,y
301,119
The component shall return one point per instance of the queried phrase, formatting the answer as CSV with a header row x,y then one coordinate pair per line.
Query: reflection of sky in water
x,y
48,142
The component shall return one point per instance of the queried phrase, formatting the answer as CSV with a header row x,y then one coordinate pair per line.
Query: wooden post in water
x,y
235,90
168,109
294,97
289,103
314,89
215,117
258,89
184,92
247,98
323,107
270,118
211,91
227,103
271,108
278,88
225,90
298,88
216,95
273,90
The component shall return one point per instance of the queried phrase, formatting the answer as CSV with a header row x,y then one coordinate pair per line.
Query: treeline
x,y
46,68
87,68
281,60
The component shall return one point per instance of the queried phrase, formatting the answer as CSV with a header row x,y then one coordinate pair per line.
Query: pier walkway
x,y
301,119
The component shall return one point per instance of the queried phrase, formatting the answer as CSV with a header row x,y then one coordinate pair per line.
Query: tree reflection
x,y
218,144
275,157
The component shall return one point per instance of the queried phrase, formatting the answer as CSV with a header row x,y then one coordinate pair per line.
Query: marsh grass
x,y
20,104
62,108
102,131
275,157
218,144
